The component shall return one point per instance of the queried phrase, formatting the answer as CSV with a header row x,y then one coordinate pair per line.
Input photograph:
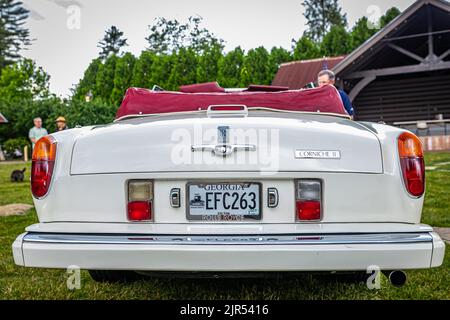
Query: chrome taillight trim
x,y
320,181
151,200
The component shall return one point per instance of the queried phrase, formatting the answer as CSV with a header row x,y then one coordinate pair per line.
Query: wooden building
x,y
401,74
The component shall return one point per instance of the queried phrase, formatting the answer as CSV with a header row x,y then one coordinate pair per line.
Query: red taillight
x,y
308,200
308,210
43,163
139,211
140,199
413,170
412,163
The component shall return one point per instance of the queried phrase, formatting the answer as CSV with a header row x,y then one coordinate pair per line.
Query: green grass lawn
x,y
26,283
436,211
14,192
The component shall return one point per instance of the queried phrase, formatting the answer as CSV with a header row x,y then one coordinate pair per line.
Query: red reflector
x,y
414,175
227,108
139,211
41,175
308,210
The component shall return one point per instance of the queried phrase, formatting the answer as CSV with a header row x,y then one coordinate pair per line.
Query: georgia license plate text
x,y
242,199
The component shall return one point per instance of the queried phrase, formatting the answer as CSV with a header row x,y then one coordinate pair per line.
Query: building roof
x,y
367,47
3,119
298,74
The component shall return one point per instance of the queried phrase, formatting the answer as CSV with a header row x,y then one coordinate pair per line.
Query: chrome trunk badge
x,y
223,148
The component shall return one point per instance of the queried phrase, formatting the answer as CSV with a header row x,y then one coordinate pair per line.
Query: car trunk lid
x,y
263,142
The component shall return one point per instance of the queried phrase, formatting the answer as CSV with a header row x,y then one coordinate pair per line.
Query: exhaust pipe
x,y
397,278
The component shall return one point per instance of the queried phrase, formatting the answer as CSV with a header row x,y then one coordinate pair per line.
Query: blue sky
x,y
66,32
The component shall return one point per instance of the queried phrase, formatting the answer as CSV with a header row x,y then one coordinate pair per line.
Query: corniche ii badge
x,y
223,148
317,154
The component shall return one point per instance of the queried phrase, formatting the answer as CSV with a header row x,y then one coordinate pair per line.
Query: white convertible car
x,y
234,182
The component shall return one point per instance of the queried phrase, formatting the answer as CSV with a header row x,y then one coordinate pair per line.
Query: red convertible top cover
x,y
144,102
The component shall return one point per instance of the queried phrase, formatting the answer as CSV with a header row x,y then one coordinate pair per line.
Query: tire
x,y
113,275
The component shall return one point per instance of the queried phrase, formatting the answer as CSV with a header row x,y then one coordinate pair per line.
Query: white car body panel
x,y
363,194
149,147
102,198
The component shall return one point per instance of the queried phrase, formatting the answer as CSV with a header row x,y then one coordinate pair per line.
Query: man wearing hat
x,y
61,124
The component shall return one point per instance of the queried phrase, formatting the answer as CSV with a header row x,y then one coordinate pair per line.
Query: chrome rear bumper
x,y
230,253
336,239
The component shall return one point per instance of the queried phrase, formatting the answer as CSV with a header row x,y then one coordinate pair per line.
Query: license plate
x,y
223,201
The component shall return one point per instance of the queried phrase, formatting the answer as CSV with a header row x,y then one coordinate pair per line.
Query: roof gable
x,y
398,25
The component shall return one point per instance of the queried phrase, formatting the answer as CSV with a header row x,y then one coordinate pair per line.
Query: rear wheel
x,y
113,275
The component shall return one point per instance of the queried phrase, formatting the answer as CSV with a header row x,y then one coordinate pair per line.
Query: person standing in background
x,y
327,77
61,124
37,131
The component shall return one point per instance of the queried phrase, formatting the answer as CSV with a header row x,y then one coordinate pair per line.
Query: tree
x,y
161,70
168,36
112,42
321,15
88,84
23,89
25,94
256,69
360,33
184,69
92,113
390,15
208,63
305,49
105,79
200,39
24,80
336,42
21,114
363,30
123,75
278,55
13,35
230,66
142,71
